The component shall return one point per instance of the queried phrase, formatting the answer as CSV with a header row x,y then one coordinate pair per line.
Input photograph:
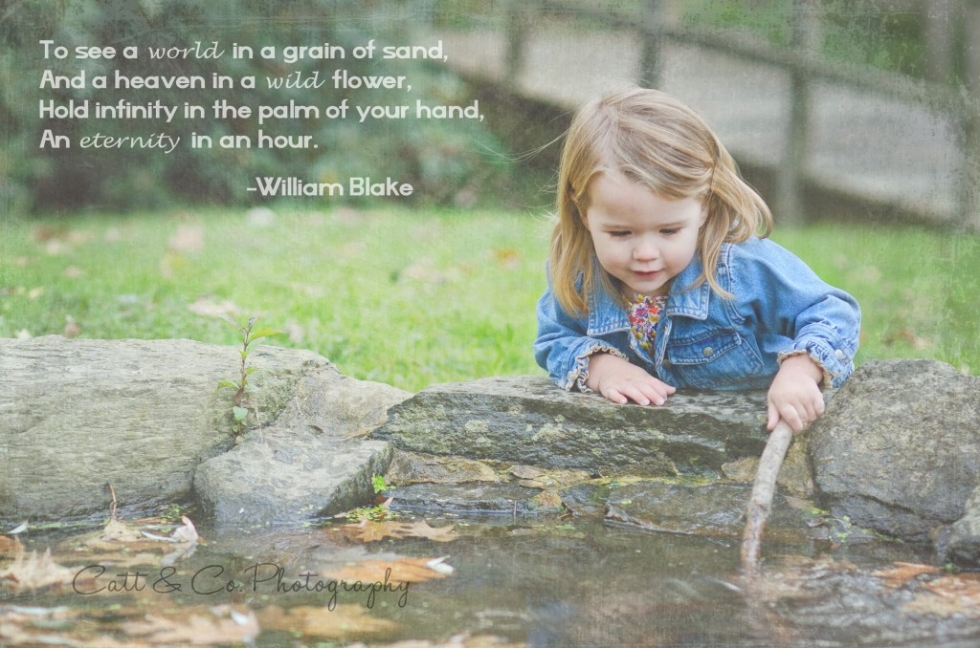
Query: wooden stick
x,y
760,504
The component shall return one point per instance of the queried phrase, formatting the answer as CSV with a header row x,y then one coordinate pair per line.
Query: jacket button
x,y
708,352
839,354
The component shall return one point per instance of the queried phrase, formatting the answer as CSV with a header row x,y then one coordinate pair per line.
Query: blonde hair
x,y
655,140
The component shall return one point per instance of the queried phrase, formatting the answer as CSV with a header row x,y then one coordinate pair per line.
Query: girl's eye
x,y
669,231
619,234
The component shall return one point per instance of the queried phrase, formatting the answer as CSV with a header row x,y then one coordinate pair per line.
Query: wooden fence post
x,y
791,171
651,57
940,19
516,34
970,178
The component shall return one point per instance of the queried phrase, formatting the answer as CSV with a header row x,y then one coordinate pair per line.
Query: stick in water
x,y
762,491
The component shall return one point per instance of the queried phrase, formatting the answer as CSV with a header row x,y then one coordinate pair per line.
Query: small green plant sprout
x,y
240,408
380,484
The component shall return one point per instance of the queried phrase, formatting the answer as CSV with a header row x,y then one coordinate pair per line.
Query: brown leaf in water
x,y
368,531
59,626
395,572
903,572
9,547
32,572
947,596
462,640
122,543
343,621
198,625
962,587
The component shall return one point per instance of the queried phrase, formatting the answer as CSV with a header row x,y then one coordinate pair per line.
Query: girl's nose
x,y
645,250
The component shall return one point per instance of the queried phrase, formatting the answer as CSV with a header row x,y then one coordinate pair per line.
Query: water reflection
x,y
542,583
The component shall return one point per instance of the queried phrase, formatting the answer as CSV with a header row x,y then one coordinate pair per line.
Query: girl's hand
x,y
795,395
620,381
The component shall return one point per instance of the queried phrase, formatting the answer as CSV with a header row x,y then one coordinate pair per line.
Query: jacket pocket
x,y
718,359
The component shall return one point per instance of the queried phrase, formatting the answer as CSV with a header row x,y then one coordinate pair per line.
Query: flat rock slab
x,y
529,420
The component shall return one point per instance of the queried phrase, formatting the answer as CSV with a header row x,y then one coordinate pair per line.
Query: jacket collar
x,y
606,311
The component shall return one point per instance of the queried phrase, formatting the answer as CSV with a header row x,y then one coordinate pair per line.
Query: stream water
x,y
537,582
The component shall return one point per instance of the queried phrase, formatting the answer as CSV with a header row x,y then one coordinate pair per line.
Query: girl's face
x,y
640,237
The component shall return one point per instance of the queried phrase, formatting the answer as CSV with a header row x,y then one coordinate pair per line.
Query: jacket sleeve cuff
x,y
835,363
580,369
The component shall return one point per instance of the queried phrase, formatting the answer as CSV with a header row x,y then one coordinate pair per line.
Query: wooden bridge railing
x,y
805,65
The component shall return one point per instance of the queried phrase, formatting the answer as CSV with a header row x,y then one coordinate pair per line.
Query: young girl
x,y
660,275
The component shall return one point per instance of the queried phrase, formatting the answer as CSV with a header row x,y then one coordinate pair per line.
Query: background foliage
x,y
444,164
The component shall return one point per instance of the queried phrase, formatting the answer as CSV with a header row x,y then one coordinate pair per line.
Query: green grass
x,y
414,298
402,297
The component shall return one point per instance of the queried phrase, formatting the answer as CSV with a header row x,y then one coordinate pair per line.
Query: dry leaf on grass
x,y
188,239
197,625
208,308
344,621
395,572
368,531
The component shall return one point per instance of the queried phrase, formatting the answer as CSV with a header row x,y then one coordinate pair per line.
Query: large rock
x,y
311,461
898,449
528,420
143,415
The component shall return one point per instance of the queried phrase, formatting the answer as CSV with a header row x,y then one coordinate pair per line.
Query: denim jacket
x,y
780,307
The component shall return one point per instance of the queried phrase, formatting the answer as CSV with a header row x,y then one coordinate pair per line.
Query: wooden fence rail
x,y
805,66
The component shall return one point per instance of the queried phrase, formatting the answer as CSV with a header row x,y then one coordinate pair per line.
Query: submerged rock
x,y
473,499
898,449
710,509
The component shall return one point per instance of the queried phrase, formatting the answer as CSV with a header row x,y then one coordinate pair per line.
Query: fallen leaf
x,y
962,587
368,531
122,543
396,572
72,329
199,625
35,573
507,257
903,572
20,528
187,239
927,604
344,621
208,308
9,547
462,640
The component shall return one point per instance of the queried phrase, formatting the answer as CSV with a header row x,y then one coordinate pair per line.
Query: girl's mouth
x,y
652,274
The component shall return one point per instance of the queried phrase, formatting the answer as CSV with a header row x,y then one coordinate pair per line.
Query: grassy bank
x,y
412,298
